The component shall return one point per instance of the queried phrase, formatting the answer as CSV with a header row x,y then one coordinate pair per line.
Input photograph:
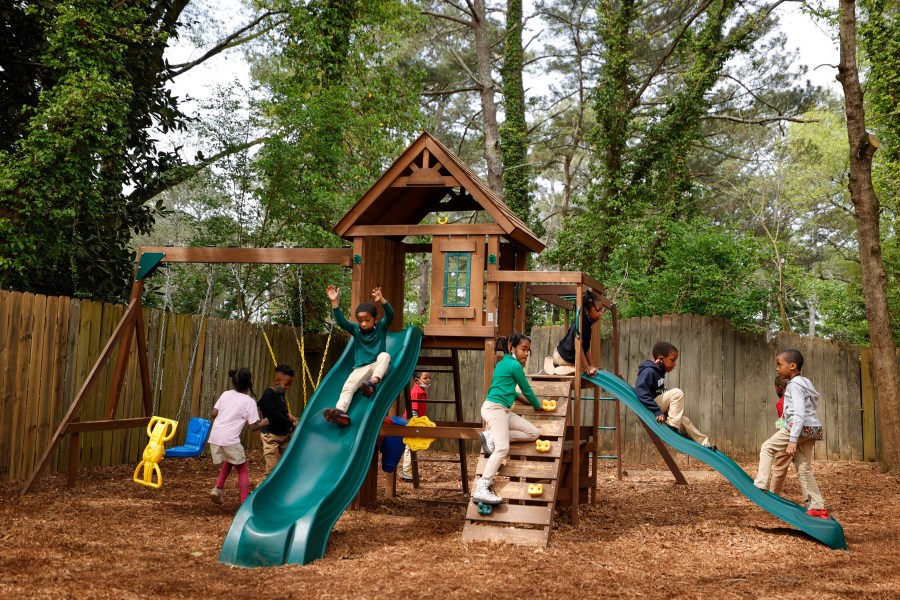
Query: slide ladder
x,y
523,519
828,531
289,517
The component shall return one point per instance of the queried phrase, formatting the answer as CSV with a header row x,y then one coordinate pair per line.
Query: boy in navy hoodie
x,y
667,405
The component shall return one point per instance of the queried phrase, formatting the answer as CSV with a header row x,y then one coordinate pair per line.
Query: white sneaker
x,y
487,443
484,492
215,495
406,475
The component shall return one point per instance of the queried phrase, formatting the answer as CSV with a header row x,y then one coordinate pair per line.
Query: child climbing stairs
x,y
526,518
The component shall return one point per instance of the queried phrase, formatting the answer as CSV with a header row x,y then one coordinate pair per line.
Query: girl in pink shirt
x,y
233,409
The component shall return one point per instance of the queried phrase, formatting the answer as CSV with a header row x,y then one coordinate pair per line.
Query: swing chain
x,y
203,309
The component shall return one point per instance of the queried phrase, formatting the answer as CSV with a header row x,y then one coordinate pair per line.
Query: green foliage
x,y
701,268
83,134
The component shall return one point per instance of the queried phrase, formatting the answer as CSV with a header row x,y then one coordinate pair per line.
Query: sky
x,y
813,43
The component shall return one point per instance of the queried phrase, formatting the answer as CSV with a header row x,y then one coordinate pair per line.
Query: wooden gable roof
x,y
422,181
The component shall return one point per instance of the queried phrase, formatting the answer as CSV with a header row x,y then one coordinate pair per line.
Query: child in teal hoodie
x,y
501,425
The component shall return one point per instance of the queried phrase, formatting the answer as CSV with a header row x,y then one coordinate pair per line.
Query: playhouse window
x,y
457,274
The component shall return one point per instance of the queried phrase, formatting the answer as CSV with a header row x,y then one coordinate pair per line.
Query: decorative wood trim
x,y
447,245
404,181
456,312
460,331
405,230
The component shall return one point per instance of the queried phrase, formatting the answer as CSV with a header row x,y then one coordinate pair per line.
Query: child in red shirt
x,y
418,395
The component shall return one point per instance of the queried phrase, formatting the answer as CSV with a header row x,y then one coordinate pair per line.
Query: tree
x,y
863,146
514,130
473,17
81,160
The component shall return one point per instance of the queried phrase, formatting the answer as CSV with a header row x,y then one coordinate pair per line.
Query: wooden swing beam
x,y
131,326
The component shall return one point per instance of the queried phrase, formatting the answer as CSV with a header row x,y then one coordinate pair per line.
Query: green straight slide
x,y
828,531
289,517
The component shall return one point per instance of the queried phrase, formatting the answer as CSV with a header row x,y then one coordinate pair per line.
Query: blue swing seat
x,y
197,434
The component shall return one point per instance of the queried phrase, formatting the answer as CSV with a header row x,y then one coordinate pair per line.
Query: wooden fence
x,y
728,380
48,345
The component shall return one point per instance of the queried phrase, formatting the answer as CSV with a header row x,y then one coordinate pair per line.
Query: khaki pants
x,y
672,404
779,472
359,375
406,467
274,446
505,427
802,463
561,366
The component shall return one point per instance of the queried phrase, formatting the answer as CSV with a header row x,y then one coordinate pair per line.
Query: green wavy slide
x,y
828,531
288,518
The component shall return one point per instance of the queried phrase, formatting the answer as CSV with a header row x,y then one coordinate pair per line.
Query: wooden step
x,y
477,532
512,513
529,449
518,490
550,389
531,469
549,427
520,408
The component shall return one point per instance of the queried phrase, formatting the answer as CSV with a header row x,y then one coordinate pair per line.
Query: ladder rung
x,y
607,457
439,460
607,427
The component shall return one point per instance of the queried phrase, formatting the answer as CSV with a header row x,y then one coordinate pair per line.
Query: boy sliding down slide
x,y
667,405
372,360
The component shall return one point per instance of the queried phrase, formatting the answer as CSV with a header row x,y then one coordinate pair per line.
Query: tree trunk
x,y
514,132
480,26
874,278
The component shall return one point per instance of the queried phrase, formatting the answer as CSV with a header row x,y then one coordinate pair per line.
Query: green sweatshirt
x,y
507,374
369,344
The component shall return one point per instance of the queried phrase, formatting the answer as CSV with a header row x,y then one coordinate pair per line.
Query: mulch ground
x,y
110,538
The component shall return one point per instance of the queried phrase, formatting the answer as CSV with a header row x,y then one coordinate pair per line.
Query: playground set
x,y
479,287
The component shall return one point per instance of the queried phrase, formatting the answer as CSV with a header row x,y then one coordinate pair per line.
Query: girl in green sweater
x,y
501,425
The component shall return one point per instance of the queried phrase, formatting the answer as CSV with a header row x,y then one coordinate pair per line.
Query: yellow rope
x,y
305,371
269,344
324,356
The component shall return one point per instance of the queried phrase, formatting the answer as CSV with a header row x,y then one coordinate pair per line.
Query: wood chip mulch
x,y
108,537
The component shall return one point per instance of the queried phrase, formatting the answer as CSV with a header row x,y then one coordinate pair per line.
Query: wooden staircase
x,y
522,519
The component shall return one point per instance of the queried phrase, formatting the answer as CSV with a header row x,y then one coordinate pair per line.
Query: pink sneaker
x,y
819,513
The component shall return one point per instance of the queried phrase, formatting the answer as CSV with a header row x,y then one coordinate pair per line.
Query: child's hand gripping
x,y
376,296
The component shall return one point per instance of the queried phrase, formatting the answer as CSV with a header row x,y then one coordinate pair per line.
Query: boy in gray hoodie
x,y
798,436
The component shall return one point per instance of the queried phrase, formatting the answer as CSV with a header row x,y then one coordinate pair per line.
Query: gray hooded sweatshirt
x,y
800,402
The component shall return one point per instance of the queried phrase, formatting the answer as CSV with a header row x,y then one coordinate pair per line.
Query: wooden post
x,y
576,414
615,370
457,397
664,452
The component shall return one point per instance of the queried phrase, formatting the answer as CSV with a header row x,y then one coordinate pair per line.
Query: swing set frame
x,y
131,327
